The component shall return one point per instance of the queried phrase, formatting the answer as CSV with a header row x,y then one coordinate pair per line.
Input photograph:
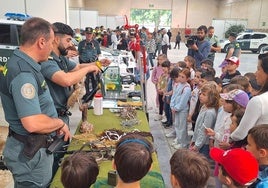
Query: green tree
x,y
149,16
234,29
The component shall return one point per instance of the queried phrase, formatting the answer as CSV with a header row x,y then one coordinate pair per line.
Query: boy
x,y
189,169
238,167
258,146
79,170
233,63
132,160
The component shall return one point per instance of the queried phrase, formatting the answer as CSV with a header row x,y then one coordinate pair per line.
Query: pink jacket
x,y
157,72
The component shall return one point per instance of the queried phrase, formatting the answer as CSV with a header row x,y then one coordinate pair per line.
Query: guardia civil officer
x,y
29,108
61,73
89,51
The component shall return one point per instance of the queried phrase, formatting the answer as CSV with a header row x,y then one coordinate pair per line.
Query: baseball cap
x,y
233,59
237,95
89,30
223,64
240,164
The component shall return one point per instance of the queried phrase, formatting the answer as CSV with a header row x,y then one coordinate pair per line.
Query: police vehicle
x,y
9,38
253,41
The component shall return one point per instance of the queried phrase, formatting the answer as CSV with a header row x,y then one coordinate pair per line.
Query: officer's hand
x,y
65,130
94,68
105,62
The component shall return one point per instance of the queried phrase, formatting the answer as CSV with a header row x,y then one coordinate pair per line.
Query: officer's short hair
x,y
61,28
34,28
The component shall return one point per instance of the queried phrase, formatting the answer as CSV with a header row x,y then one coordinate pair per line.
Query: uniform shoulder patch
x,y
28,91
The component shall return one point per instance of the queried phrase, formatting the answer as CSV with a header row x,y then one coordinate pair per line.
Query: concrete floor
x,y
162,144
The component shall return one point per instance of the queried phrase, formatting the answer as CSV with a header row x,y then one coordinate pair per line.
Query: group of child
x,y
214,106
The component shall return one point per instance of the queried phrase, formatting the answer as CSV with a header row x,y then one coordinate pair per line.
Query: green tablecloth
x,y
108,121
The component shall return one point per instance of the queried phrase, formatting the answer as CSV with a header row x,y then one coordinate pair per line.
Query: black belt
x,y
63,112
32,142
45,139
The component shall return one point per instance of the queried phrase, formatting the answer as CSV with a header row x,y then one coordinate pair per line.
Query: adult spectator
x,y
150,47
123,43
169,37
158,41
234,47
214,43
189,169
89,51
257,109
79,170
165,42
178,40
132,160
29,108
200,49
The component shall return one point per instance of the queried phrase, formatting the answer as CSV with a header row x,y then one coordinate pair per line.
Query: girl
x,y
179,106
157,72
190,63
161,88
209,99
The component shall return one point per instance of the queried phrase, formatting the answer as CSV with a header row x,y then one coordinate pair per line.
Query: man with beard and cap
x,y
200,49
61,73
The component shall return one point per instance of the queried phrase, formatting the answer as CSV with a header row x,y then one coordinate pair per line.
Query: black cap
x,y
232,34
89,30
207,61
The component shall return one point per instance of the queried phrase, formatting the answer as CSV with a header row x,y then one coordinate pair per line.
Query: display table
x,y
110,121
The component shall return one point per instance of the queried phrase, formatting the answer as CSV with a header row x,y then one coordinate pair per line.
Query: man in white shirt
x,y
165,41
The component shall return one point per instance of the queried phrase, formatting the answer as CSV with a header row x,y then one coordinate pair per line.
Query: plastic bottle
x,y
98,108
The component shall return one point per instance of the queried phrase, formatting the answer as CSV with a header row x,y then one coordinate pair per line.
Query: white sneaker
x,y
164,119
175,142
171,134
177,146
158,117
190,133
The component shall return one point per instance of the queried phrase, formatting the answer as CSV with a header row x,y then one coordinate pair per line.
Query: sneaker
x,y
164,119
190,133
175,142
171,134
158,117
177,146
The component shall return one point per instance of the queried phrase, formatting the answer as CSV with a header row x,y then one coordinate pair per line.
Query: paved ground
x,y
163,144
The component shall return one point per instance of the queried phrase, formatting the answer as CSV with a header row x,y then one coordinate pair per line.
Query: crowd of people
x,y
227,114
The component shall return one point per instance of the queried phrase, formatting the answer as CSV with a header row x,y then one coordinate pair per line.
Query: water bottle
x,y
98,109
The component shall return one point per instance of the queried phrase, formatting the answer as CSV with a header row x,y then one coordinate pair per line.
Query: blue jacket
x,y
180,98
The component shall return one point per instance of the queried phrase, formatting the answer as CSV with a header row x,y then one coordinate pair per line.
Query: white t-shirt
x,y
256,114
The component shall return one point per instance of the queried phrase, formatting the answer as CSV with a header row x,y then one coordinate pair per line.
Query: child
x,y
174,73
79,170
243,81
206,64
189,169
194,98
132,160
233,63
238,168
157,72
161,88
232,101
258,145
209,98
179,106
190,62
